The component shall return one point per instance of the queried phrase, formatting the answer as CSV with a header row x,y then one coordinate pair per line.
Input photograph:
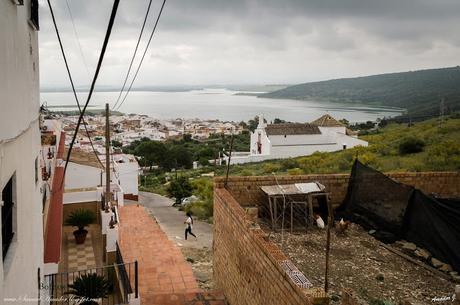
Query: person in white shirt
x,y
189,225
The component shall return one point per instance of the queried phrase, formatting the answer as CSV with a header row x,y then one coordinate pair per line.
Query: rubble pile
x,y
358,261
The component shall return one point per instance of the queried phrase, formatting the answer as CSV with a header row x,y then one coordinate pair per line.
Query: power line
x,y
71,81
93,83
143,55
76,36
134,54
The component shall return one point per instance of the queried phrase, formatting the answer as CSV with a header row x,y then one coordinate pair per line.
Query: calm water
x,y
223,105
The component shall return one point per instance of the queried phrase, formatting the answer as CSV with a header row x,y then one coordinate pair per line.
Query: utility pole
x,y
330,221
107,157
229,160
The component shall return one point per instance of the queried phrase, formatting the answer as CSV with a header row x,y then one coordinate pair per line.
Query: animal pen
x,y
297,201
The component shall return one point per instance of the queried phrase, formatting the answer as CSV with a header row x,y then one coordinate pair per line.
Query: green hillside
x,y
420,92
425,146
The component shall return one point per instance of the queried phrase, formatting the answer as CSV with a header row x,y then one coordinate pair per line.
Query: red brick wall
x,y
246,266
246,190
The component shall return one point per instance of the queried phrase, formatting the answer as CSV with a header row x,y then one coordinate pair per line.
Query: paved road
x,y
171,221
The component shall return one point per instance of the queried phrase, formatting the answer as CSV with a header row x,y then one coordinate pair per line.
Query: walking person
x,y
189,225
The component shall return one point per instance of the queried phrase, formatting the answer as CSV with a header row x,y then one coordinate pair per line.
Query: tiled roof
x,y
327,121
291,129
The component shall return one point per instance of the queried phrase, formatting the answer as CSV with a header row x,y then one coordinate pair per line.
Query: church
x,y
278,141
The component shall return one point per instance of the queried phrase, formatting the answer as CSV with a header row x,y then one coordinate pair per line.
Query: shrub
x,y
289,163
90,287
411,145
270,168
200,209
295,171
179,188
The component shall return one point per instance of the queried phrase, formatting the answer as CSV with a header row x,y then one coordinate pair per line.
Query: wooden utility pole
x,y
229,159
330,221
107,157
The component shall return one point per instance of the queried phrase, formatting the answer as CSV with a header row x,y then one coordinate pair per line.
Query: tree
x,y
179,188
116,143
151,152
278,121
182,156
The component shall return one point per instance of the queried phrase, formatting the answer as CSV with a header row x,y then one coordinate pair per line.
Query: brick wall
x,y
246,190
250,269
247,267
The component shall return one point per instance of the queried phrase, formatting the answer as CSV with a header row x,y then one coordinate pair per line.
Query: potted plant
x,y
80,218
90,287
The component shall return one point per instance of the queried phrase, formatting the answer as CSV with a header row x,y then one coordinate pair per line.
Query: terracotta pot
x,y
80,236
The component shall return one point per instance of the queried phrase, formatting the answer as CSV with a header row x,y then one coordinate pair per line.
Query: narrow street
x,y
171,221
198,252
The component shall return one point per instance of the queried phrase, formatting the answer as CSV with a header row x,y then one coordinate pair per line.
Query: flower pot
x,y
80,236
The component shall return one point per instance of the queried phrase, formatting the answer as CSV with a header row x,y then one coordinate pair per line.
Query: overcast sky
x,y
201,42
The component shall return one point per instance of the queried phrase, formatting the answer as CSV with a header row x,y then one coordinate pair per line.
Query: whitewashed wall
x,y
19,146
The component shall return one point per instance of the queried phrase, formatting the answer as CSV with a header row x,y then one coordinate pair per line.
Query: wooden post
x,y
107,157
311,218
229,159
330,221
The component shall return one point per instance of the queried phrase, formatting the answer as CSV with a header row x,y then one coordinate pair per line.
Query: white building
x,y
20,178
280,141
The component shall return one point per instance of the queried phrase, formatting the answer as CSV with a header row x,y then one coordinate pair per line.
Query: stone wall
x,y
246,190
247,267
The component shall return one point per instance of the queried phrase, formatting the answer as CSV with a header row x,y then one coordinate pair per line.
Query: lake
x,y
221,104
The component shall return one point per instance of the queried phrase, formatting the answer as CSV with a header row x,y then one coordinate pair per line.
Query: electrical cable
x,y
134,54
143,55
93,83
77,38
71,81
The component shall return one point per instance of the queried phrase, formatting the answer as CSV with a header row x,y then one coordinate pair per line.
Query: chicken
x,y
341,226
319,222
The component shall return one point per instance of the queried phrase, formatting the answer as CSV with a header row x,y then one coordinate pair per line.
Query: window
x,y
7,217
34,14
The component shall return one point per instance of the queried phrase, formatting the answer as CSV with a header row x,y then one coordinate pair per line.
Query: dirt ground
x,y
201,260
357,261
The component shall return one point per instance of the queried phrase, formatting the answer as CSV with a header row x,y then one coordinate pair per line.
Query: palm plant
x,y
80,218
89,287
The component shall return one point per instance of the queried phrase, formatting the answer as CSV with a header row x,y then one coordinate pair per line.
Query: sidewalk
x,y
164,276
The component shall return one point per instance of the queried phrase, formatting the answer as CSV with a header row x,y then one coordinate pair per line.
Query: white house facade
x,y
20,177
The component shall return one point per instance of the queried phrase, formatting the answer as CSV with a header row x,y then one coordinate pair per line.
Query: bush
x,y
200,209
270,168
411,145
179,188
295,171
289,163
203,161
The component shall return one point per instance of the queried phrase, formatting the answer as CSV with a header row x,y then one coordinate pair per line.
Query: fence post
x,y
136,287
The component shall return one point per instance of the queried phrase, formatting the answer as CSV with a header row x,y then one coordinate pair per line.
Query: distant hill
x,y
420,92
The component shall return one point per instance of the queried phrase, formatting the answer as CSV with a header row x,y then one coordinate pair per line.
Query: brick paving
x,y
165,278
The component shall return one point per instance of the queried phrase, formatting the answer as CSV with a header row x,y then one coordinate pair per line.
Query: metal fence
x,y
120,279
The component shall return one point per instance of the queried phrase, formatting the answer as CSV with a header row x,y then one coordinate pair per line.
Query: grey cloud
x,y
231,41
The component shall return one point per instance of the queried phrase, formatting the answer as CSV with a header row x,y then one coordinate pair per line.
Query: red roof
x,y
60,153
53,231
